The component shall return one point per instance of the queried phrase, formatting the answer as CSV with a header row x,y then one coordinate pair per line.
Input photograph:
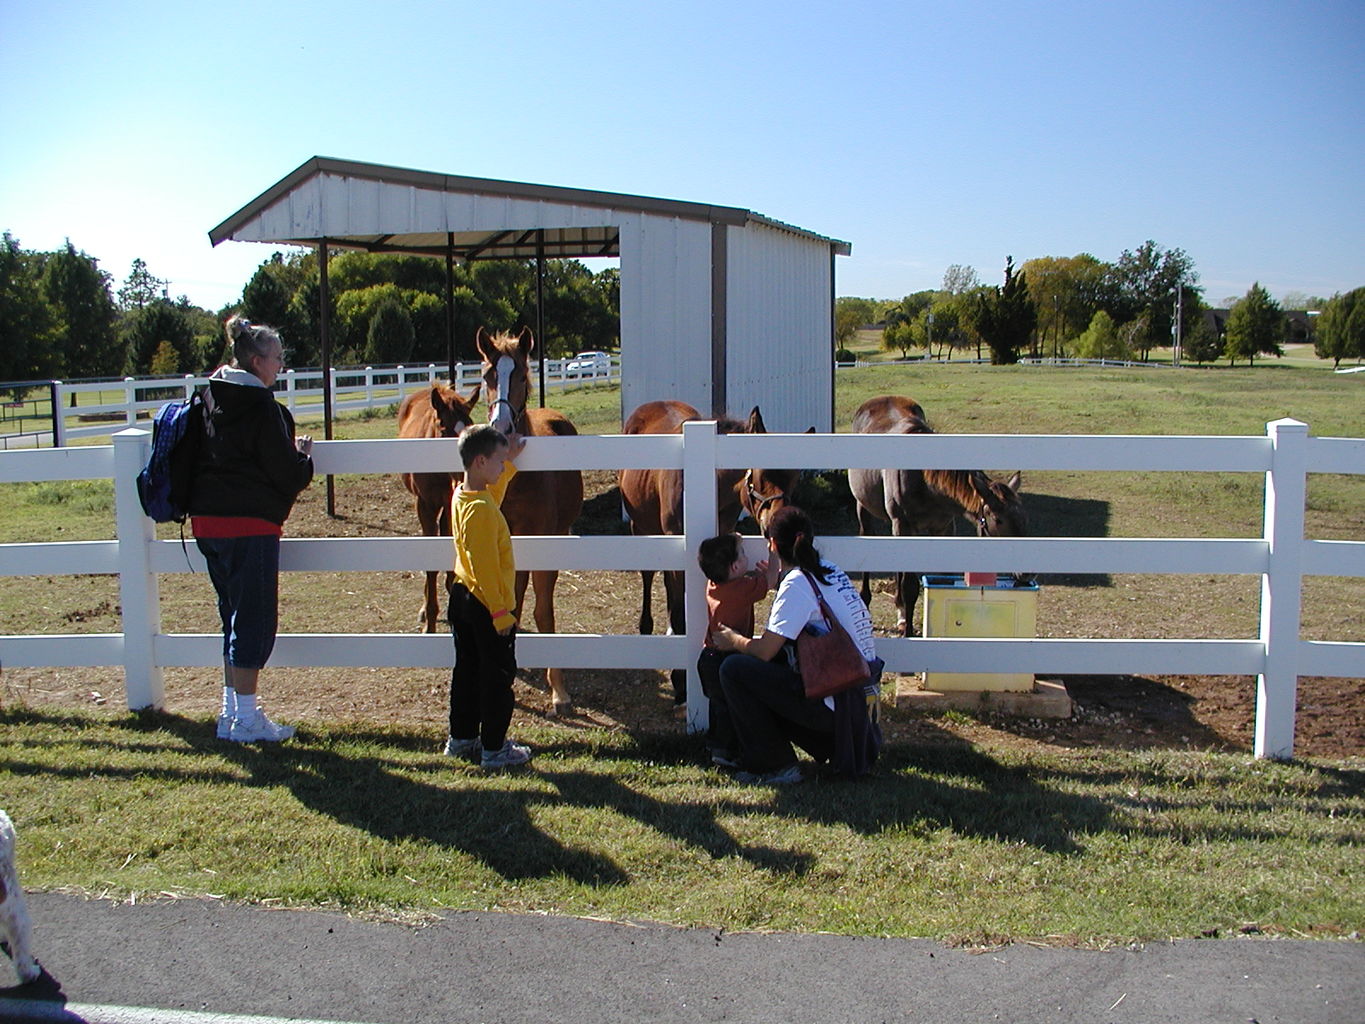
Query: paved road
x,y
202,958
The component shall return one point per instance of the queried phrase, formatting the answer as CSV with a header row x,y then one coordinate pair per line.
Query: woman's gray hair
x,y
248,340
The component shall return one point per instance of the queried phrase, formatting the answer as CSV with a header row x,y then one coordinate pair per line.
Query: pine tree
x,y
1256,326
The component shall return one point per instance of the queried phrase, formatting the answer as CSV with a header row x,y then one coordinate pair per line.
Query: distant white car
x,y
588,364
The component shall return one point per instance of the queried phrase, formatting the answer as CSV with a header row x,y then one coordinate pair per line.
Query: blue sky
x,y
924,134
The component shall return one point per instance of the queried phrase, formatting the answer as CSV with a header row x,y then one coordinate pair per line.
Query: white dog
x,y
14,923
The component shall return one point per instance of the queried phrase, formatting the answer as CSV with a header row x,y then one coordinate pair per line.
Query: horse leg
x,y
907,588
865,529
677,626
429,518
646,602
544,581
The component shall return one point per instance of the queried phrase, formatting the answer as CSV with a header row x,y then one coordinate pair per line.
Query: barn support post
x,y
450,307
540,311
139,596
720,367
699,522
1286,489
58,416
325,332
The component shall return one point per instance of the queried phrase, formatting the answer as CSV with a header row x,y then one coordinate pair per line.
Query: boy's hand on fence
x,y
515,444
304,443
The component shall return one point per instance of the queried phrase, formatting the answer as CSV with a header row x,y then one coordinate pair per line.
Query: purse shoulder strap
x,y
820,599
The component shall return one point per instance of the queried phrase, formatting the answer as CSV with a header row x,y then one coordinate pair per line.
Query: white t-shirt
x,y
794,606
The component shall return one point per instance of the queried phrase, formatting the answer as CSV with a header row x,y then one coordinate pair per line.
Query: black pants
x,y
720,733
485,667
770,712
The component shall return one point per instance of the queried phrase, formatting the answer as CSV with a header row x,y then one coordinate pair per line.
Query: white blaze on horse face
x,y
501,407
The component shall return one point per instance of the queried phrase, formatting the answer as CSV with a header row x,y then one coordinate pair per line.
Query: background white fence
x,y
353,389
1281,557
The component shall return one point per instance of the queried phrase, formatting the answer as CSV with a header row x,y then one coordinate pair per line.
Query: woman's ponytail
x,y
794,537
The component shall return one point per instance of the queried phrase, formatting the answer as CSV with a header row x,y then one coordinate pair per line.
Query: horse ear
x,y
437,402
473,398
1015,482
481,343
756,422
526,340
981,484
810,430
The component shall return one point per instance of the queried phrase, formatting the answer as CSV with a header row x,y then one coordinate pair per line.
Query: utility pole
x,y
1176,329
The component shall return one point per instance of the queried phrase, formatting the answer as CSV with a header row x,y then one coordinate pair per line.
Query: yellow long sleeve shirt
x,y
483,548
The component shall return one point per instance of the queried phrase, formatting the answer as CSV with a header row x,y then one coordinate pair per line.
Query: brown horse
x,y
538,503
925,502
434,412
653,499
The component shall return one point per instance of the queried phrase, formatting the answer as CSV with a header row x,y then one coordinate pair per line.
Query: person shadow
x,y
389,800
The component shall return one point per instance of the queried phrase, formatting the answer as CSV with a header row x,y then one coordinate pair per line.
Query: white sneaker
x,y
258,730
470,750
224,725
507,756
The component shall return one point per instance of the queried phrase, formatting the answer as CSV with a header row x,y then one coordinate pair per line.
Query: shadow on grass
x,y
938,782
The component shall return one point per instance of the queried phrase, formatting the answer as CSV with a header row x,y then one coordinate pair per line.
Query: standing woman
x,y
763,690
251,469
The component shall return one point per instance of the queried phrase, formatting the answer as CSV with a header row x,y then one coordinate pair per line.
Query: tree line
x,y
1082,307
62,315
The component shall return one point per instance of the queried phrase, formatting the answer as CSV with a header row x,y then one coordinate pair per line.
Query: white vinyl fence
x,y
353,389
1281,557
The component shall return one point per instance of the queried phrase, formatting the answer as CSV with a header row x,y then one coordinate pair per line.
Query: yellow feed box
x,y
953,609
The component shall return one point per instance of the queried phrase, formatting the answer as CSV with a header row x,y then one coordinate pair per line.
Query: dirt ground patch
x,y
1120,711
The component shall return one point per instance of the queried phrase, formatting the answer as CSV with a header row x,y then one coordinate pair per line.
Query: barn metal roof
x,y
467,242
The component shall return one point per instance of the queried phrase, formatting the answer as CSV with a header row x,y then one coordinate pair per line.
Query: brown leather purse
x,y
829,662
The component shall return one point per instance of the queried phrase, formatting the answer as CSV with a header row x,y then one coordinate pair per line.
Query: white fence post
x,y
139,595
699,522
189,384
1286,491
130,401
290,383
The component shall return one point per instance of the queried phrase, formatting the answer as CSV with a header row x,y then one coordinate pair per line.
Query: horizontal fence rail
x,y
1281,557
90,409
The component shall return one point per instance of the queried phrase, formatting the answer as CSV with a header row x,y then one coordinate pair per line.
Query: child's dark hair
x,y
716,555
480,439
793,535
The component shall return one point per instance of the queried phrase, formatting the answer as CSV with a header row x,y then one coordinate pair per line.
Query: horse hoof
x,y
560,708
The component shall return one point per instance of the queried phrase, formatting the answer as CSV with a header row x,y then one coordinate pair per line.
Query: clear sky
x,y
924,134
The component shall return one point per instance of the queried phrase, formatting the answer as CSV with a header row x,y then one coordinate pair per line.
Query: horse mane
x,y
960,485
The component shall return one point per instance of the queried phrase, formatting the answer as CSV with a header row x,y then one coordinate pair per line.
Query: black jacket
x,y
248,465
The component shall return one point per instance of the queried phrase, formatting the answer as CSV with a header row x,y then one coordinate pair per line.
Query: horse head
x,y
1001,512
506,376
452,411
763,491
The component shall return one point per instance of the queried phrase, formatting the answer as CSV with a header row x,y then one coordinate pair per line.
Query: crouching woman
x,y
251,468
762,686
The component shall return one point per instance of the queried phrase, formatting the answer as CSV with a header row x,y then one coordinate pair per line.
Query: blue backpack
x,y
164,484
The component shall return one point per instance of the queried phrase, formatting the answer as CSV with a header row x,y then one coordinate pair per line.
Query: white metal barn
x,y
720,307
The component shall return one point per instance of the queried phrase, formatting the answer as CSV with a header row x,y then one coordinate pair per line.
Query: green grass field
x,y
953,841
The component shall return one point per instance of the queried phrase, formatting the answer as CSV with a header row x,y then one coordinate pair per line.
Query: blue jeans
x,y
246,575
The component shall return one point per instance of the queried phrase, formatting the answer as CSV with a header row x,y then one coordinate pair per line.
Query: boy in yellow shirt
x,y
482,597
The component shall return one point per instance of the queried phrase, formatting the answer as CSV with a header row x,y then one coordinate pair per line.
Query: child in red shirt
x,y
732,590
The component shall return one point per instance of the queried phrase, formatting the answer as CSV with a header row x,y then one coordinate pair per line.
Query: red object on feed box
x,y
979,579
